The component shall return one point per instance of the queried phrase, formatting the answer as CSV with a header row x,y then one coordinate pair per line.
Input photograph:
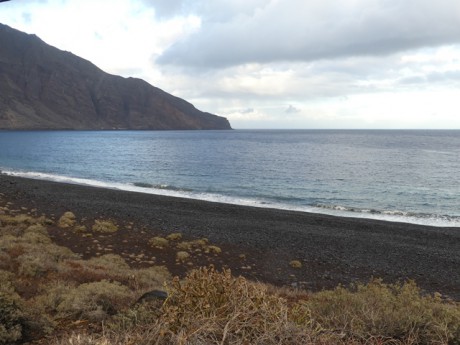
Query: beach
x,y
259,243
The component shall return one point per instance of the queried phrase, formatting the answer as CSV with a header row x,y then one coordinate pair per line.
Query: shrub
x,y
33,237
295,264
104,226
378,310
94,301
11,319
149,278
209,305
37,228
52,295
108,262
182,256
159,242
18,219
80,229
189,245
67,220
6,279
213,249
174,236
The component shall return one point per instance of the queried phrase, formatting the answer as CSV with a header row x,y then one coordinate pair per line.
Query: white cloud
x,y
318,29
272,63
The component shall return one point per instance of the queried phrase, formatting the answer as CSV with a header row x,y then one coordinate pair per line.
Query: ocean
x,y
410,176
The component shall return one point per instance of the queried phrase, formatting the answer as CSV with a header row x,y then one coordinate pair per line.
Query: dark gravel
x,y
333,250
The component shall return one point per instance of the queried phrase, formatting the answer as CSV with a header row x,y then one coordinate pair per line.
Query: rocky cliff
x,y
42,87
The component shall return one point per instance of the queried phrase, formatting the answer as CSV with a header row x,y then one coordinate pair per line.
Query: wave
x,y
161,186
393,215
174,191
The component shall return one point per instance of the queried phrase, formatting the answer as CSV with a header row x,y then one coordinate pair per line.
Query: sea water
x,y
410,176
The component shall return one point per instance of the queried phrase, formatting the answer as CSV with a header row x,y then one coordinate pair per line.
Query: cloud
x,y
313,30
292,110
166,8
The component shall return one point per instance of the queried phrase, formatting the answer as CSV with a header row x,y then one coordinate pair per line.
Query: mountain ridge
x,y
43,87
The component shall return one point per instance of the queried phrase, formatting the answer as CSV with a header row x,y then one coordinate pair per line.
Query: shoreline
x,y
394,216
333,250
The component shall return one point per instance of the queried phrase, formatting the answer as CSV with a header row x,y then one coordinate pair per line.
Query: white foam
x,y
334,210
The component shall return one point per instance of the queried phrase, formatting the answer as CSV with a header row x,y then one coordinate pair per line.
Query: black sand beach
x,y
332,250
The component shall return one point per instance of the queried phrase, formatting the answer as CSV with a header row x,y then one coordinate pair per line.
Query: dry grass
x,y
159,242
104,226
67,220
210,307
44,285
182,256
378,310
176,236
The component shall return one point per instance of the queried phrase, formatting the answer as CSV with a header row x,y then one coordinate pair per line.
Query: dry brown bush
x,y
67,220
104,226
381,311
213,307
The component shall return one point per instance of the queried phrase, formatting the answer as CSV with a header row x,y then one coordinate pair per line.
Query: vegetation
x,y
295,264
48,291
67,220
104,226
159,242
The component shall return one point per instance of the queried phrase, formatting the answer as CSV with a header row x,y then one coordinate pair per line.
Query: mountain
x,y
42,87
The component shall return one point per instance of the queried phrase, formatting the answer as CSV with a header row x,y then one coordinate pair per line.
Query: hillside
x,y
42,87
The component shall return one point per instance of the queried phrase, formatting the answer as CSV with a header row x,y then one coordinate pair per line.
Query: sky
x,y
390,64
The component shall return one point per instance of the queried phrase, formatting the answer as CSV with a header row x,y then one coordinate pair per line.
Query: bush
x,y
182,256
104,226
195,244
295,264
67,220
176,236
37,228
378,310
213,249
209,305
11,319
94,301
159,242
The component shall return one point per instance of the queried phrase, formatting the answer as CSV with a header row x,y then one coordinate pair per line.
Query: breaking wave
x,y
284,204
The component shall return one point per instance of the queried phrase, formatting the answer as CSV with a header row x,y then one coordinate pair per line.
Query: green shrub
x,y
41,258
52,295
94,301
149,278
11,319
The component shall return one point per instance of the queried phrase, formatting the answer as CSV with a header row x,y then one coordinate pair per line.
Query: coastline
x,y
333,250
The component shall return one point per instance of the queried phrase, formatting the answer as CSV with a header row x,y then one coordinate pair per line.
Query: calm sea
x,y
410,176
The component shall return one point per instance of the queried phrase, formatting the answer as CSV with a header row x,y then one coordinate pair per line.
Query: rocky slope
x,y
42,87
